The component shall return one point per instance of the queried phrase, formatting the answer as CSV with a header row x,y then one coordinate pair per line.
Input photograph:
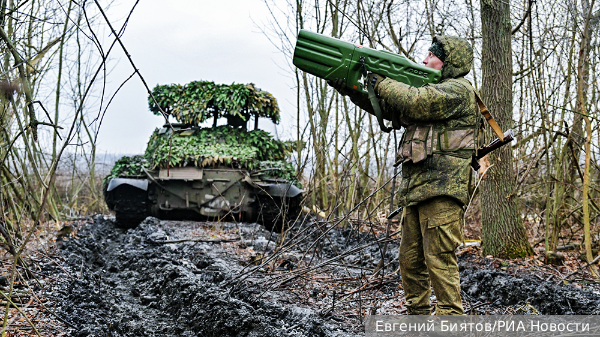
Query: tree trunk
x,y
503,232
582,75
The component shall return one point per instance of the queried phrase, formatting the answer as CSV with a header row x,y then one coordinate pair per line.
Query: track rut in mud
x,y
501,289
125,284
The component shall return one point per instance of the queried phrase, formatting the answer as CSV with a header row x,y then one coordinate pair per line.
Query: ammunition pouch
x,y
421,141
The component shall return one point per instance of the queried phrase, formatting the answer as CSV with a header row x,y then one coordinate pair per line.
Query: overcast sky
x,y
188,40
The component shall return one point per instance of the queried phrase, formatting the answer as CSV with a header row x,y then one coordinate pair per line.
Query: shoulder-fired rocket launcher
x,y
330,58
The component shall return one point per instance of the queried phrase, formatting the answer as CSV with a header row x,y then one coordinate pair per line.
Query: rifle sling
x,y
488,117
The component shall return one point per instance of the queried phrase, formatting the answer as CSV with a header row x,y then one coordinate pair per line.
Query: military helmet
x,y
457,54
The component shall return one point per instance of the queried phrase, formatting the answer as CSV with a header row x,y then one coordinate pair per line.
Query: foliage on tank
x,y
197,101
213,146
279,169
190,145
129,167
126,167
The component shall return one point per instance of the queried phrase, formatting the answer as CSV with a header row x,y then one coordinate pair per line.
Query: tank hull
x,y
203,193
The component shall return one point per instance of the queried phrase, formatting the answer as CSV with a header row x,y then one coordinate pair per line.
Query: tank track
x,y
274,212
129,204
130,219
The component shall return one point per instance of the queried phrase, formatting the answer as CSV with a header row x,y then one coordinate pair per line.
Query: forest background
x,y
536,65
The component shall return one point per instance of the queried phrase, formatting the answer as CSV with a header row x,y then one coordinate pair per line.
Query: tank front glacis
x,y
214,172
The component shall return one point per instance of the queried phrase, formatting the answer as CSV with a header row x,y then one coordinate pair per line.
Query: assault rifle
x,y
497,143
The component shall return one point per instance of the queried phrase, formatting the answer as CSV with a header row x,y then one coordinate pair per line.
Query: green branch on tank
x,y
198,101
194,103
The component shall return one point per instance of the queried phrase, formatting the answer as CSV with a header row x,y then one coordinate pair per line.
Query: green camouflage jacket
x,y
441,123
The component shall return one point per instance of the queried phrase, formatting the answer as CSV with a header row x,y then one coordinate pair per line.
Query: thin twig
x,y
165,115
9,300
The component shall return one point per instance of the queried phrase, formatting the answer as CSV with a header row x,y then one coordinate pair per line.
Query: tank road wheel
x,y
273,212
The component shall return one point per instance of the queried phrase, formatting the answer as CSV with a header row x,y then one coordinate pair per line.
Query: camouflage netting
x,y
220,145
197,101
208,147
126,167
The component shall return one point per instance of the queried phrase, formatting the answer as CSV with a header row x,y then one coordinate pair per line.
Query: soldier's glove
x,y
374,80
339,85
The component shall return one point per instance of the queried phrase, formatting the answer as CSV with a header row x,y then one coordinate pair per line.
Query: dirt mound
x,y
128,284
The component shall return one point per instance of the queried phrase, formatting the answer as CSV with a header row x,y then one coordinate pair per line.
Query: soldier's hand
x,y
339,85
374,80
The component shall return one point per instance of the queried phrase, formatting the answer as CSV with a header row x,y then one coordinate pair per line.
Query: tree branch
x,y
527,13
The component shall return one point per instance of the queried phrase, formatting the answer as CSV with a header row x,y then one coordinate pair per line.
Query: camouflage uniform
x,y
441,124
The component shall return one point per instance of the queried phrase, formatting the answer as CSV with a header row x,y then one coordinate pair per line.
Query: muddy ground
x,y
178,278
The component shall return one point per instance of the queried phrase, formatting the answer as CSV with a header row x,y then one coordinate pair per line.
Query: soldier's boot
x,y
441,221
415,279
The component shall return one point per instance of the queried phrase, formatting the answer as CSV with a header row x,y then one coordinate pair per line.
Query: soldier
x,y
441,122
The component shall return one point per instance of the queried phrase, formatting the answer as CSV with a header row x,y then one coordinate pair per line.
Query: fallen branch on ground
x,y
580,268
371,285
198,240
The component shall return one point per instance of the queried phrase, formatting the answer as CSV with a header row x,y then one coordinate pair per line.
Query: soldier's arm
x,y
428,103
362,101
359,99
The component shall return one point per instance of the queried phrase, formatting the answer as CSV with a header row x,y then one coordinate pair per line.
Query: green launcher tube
x,y
330,58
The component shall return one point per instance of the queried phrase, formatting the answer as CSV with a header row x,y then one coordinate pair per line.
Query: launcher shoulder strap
x,y
377,108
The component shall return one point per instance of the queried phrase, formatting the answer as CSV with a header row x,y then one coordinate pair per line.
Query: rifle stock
x,y
496,144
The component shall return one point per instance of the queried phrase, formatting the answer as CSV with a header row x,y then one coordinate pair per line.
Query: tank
x,y
218,172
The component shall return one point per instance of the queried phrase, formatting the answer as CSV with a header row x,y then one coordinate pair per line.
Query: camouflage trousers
x,y
431,231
